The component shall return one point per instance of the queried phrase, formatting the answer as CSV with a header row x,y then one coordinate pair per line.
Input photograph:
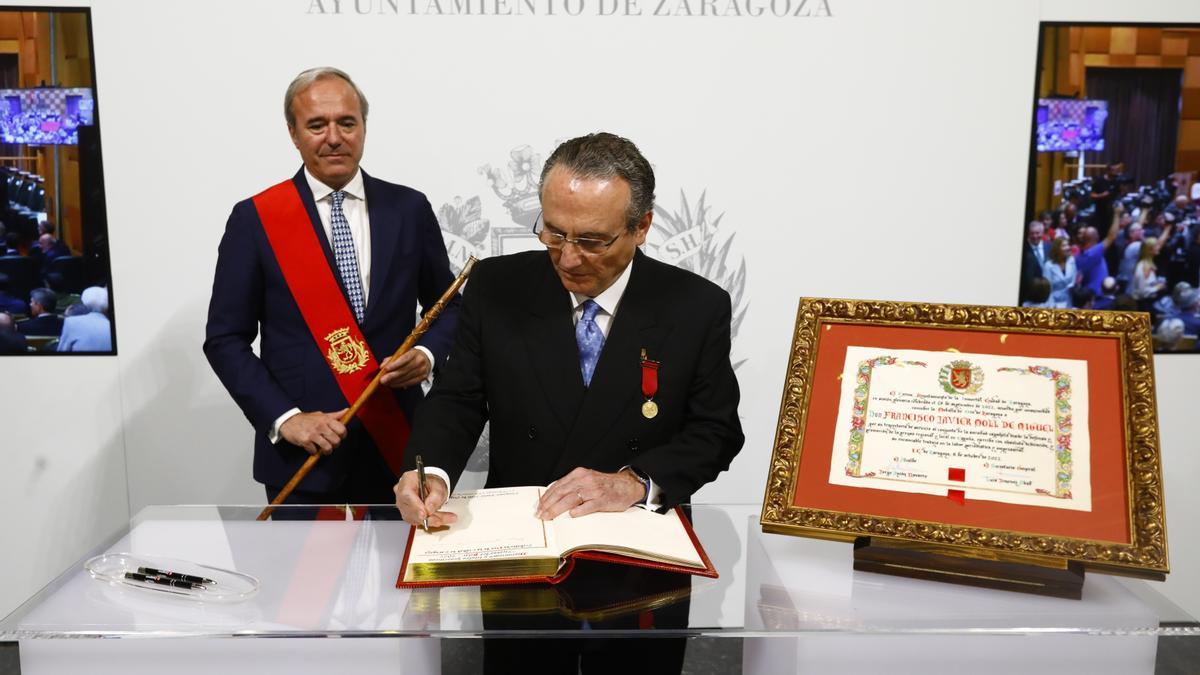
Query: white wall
x,y
823,141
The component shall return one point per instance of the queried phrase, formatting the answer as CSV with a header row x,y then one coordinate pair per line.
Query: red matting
x,y
1109,518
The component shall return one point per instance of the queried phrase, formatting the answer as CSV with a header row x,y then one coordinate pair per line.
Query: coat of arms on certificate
x,y
1026,437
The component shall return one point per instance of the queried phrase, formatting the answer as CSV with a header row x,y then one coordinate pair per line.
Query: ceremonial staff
x,y
404,347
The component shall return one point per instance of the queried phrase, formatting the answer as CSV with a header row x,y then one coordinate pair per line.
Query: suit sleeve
x,y
433,279
448,424
233,315
711,433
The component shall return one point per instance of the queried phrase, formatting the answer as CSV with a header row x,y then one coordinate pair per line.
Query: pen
x,y
422,490
150,571
163,581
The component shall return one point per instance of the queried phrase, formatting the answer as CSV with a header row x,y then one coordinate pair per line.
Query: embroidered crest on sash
x,y
346,354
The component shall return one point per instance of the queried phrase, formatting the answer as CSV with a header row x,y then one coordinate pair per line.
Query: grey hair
x,y
44,297
605,155
307,78
95,298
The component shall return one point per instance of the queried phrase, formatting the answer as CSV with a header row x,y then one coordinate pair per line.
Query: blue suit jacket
x,y
90,332
408,263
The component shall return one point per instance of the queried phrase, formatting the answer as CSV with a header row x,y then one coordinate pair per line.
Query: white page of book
x,y
493,524
634,529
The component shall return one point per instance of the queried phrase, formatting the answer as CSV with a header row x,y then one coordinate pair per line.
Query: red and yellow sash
x,y
328,317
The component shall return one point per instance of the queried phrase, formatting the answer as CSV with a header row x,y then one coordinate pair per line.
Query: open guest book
x,y
498,540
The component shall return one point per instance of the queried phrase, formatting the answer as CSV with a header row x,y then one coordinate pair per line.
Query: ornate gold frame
x,y
1145,557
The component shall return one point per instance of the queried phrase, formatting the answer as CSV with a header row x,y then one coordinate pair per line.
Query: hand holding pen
x,y
419,496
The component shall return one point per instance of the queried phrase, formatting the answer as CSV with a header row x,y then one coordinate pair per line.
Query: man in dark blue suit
x,y
11,342
332,247
1034,254
43,320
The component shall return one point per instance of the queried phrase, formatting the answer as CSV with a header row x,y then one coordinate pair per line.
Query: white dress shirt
x,y
354,206
609,301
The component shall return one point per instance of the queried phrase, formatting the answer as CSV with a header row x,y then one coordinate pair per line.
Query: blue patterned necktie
x,y
590,339
344,254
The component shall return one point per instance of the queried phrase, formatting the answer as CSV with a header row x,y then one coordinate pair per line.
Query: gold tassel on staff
x,y
404,347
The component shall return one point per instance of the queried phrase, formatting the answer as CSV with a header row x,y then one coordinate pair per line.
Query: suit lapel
x,y
617,382
550,338
310,205
384,235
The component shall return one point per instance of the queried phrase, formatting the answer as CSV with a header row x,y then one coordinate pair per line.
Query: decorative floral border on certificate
x,y
858,420
1062,426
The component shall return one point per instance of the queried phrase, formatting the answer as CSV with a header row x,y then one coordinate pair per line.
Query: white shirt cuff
x,y
434,471
273,433
428,378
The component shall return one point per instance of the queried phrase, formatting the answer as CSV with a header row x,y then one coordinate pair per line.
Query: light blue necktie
x,y
590,339
344,254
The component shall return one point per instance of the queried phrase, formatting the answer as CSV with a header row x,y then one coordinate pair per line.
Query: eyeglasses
x,y
586,245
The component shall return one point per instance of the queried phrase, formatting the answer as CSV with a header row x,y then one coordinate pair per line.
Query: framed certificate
x,y
1001,433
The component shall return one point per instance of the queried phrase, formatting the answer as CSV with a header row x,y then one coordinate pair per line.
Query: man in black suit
x,y
8,302
11,342
522,357
43,321
1034,254
552,348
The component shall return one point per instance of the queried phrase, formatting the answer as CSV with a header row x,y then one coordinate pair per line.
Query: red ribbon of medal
x,y
649,386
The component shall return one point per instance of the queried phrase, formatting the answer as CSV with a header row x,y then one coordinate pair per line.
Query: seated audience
x,y
1189,312
43,321
11,342
8,302
90,332
1169,337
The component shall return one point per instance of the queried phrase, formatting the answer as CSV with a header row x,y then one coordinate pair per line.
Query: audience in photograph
x,y
8,302
76,309
1189,312
11,244
1146,284
1090,262
90,332
43,320
1105,189
1170,336
1083,297
11,342
1148,260
1108,294
1134,235
1060,270
1039,293
1033,258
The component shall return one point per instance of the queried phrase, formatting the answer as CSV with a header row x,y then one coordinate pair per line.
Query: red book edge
x,y
709,570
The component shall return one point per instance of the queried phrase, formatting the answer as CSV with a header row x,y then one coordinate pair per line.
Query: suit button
x,y
632,444
532,433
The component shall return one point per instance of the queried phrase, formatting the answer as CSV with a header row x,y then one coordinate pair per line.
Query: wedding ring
x,y
580,495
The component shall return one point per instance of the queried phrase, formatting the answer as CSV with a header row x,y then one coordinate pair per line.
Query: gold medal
x,y
649,409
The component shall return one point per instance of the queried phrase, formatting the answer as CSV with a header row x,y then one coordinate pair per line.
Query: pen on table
x,y
163,581
150,571
422,490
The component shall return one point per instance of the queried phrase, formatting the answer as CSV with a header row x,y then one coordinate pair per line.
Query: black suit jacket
x,y
42,324
515,362
408,263
1030,267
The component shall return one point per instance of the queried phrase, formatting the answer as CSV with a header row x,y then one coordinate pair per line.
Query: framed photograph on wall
x,y
1112,215
1026,435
